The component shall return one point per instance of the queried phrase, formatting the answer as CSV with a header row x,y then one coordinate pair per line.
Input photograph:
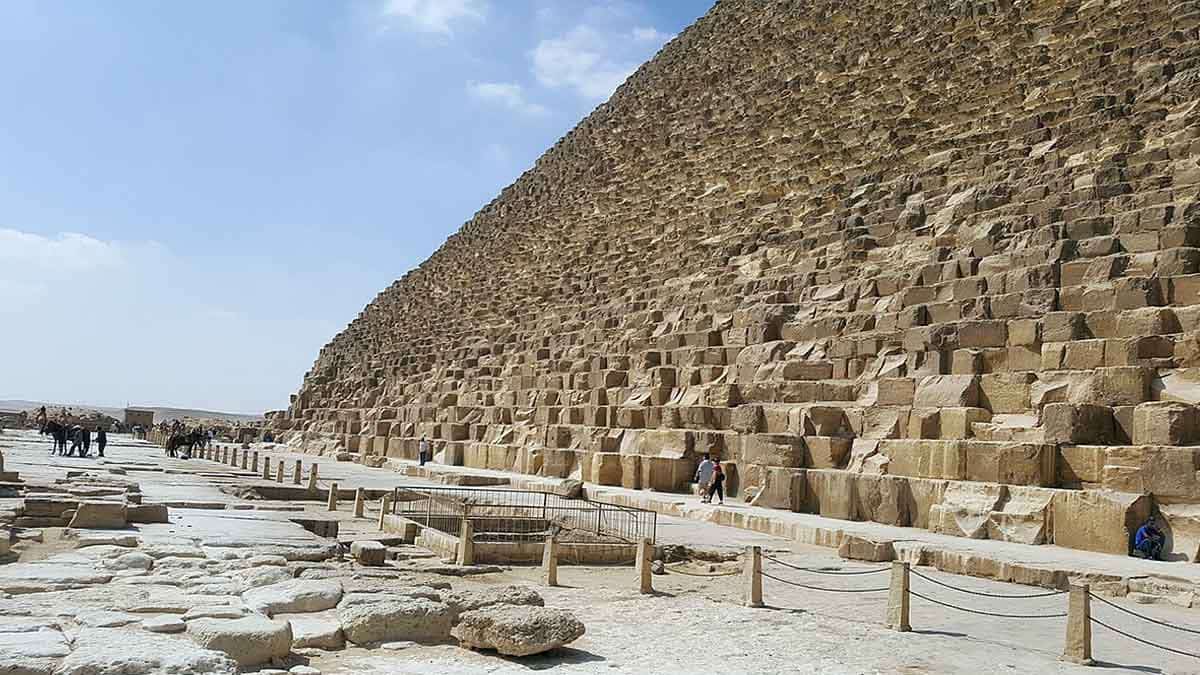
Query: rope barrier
x,y
830,590
984,593
1145,642
697,574
986,613
844,573
1144,617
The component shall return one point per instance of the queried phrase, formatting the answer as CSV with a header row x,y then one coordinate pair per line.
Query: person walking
x,y
423,451
101,439
718,481
87,441
704,474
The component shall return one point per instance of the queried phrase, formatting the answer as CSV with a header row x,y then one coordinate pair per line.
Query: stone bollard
x,y
550,562
233,457
297,473
1078,648
224,455
466,543
279,472
254,462
752,575
384,503
245,459
897,607
312,478
266,468
645,555
360,502
333,496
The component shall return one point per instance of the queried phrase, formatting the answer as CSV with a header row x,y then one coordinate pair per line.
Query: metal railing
x,y
519,515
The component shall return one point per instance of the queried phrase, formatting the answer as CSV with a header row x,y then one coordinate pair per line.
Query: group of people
x,y
711,479
81,441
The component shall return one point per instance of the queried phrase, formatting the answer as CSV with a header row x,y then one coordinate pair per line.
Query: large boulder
x,y
317,631
517,631
396,618
466,601
249,641
105,650
99,516
294,597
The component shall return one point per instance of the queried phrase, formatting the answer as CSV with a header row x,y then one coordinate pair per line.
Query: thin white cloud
x,y
434,16
650,34
507,94
593,61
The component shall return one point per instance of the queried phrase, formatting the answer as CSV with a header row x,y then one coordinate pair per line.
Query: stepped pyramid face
x,y
931,263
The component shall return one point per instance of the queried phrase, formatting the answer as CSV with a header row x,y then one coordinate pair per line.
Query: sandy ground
x,y
691,625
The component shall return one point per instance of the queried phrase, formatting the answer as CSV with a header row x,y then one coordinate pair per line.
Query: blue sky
x,y
195,197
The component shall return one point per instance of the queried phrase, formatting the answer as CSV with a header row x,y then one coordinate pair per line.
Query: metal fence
x,y
518,515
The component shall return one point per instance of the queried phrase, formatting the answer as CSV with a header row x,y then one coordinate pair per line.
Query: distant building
x,y
136,417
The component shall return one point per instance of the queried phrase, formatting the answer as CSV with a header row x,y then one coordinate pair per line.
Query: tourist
x,y
1148,542
423,451
101,439
718,480
76,441
703,477
87,440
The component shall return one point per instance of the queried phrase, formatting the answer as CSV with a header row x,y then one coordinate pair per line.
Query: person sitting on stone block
x,y
1148,542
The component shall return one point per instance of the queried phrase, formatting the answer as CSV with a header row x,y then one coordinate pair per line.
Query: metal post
x,y
333,496
897,607
752,574
1078,648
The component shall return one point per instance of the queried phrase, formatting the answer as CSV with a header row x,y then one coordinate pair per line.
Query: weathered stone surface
x,y
396,618
249,641
102,650
371,553
518,631
319,630
466,601
854,547
295,596
1098,520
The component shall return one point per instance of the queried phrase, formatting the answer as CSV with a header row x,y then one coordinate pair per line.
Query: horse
x,y
177,442
58,433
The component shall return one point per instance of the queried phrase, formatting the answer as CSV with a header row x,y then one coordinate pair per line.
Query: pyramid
x,y
929,263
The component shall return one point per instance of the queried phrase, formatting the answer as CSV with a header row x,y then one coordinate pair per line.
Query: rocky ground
x,y
231,584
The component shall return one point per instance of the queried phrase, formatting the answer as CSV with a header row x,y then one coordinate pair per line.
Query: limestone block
x,y
369,553
923,494
822,421
99,515
517,631
924,423
631,472
830,493
667,474
1078,423
897,391
1079,464
1005,392
1182,531
853,547
882,499
1011,463
956,423
1025,517
249,641
965,509
1171,472
1124,385
779,488
1166,423
773,450
879,422
861,449
941,391
605,468
146,513
824,452
925,459
1098,520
